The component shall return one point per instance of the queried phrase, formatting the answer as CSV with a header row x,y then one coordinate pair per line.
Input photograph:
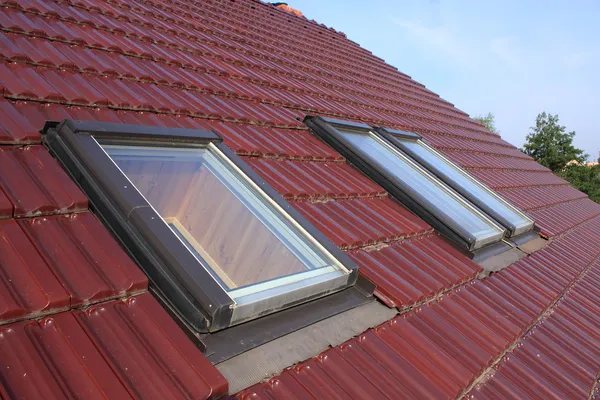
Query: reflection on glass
x,y
249,245
468,186
436,196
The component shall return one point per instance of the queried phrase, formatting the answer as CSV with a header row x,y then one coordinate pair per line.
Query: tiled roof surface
x,y
530,331
252,72
55,266
116,350
35,185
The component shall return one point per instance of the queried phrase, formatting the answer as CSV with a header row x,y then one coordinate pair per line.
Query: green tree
x,y
489,120
550,144
584,178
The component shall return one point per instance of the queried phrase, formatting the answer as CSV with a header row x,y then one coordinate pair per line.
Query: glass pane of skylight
x,y
468,186
436,197
252,248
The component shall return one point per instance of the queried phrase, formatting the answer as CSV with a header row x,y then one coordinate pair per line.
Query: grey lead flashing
x,y
533,245
271,358
228,343
500,261
186,289
524,245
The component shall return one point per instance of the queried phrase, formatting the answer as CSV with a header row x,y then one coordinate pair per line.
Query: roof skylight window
x,y
427,183
219,245
248,244
454,176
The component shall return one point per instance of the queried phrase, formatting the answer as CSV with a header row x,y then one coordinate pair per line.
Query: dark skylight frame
x,y
180,279
335,133
514,220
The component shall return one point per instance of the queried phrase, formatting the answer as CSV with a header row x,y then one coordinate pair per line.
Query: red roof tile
x,y
559,358
15,128
411,271
472,160
28,286
251,73
381,220
501,179
76,369
36,184
6,207
315,181
82,254
117,350
562,217
438,350
532,198
148,351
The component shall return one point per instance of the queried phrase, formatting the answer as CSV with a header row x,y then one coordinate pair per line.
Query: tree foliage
x,y
550,144
584,178
489,120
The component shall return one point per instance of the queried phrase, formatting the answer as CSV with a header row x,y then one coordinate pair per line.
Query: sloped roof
x,y
252,72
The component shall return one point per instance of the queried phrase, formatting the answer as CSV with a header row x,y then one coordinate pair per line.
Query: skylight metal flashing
x,y
165,194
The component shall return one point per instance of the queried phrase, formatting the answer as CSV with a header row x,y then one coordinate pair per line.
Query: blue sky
x,y
513,58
